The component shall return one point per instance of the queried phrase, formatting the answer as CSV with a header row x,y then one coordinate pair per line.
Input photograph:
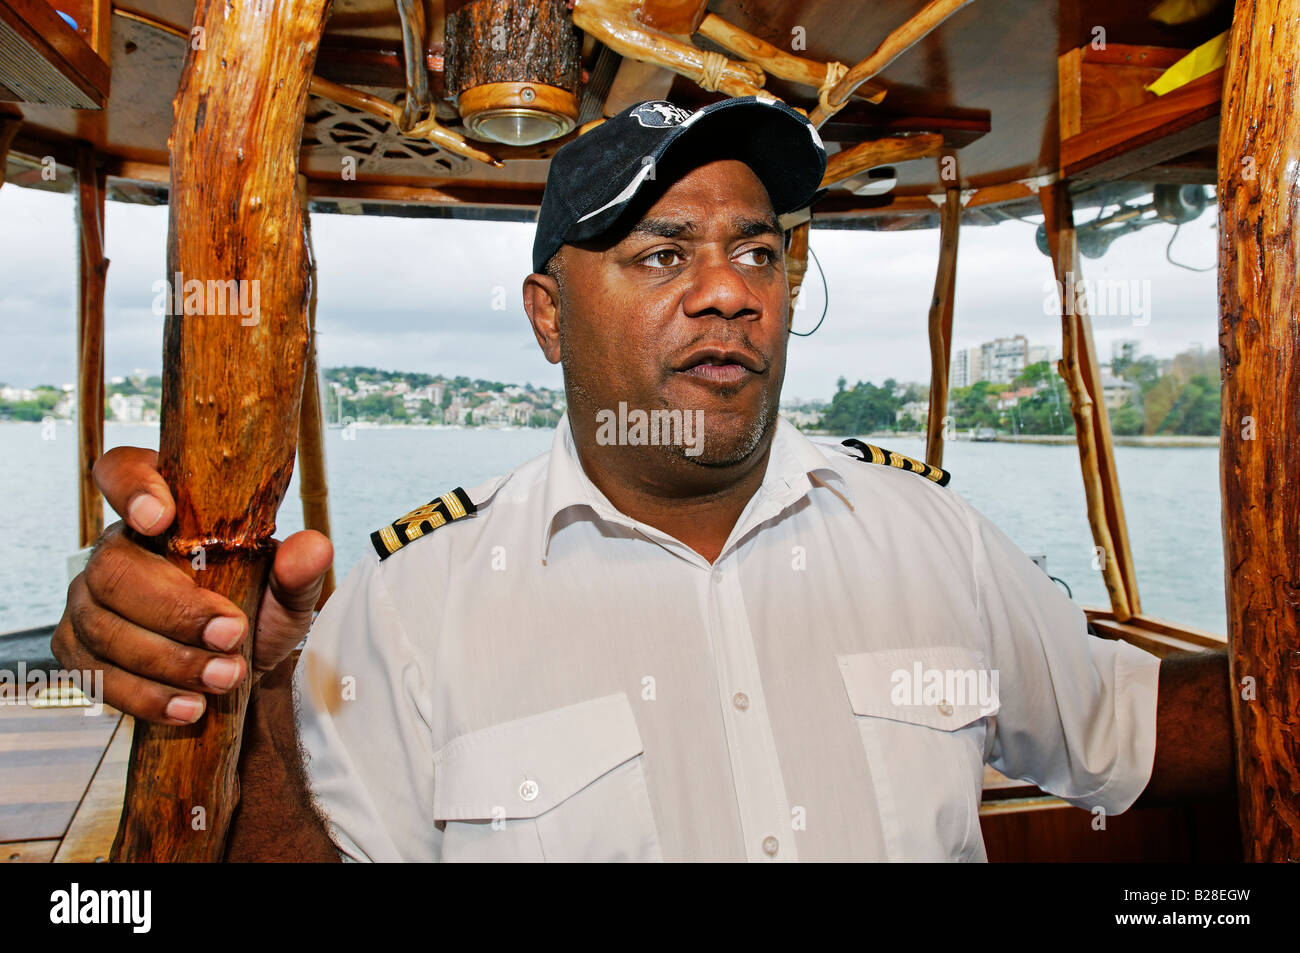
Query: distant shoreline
x,y
1160,440
1052,439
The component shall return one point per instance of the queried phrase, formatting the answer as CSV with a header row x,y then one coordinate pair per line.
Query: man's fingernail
x,y
185,708
145,511
223,632
221,673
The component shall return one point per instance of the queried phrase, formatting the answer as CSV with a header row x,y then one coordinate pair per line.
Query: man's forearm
x,y
1194,750
276,819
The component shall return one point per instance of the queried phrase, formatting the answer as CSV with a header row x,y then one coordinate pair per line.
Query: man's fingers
x,y
296,578
144,588
151,656
129,479
140,697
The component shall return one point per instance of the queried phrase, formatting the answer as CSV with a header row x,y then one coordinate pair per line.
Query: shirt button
x,y
717,575
529,790
945,709
740,700
771,845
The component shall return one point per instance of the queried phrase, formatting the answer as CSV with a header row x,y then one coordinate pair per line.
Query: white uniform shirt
x,y
549,679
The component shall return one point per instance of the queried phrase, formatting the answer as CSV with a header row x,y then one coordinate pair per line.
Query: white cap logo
x,y
660,115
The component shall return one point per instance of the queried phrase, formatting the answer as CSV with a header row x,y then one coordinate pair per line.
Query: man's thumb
x,y
297,575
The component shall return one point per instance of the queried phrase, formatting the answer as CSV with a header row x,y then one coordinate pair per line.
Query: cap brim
x,y
779,144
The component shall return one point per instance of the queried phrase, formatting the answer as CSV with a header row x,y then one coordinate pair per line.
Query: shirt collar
x,y
794,467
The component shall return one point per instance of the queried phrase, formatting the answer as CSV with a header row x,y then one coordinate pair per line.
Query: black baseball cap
x,y
594,178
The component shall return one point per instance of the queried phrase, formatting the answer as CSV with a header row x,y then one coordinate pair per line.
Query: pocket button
x,y
529,790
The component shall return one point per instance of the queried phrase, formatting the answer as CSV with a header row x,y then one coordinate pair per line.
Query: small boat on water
x,y
940,115
984,435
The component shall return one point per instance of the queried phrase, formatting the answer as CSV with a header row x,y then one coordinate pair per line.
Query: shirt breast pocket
x,y
925,717
563,785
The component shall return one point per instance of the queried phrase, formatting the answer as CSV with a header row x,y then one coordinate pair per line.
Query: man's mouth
x,y
720,366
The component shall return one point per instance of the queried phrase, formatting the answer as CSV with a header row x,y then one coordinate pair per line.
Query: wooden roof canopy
x,y
981,85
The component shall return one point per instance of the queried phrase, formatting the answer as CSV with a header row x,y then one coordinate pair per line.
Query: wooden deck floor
x,y
62,778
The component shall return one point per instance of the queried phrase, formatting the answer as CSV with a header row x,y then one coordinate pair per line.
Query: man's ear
x,y
542,302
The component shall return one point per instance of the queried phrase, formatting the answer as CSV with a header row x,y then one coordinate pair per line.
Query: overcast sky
x,y
418,295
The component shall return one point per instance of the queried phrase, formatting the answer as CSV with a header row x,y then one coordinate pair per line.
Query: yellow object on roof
x,y
1206,58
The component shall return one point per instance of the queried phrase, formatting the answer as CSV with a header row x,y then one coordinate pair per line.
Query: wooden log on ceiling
x,y
1096,456
940,325
1259,333
92,276
231,382
511,55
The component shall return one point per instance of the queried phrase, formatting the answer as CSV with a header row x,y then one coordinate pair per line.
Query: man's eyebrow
x,y
662,228
665,228
753,227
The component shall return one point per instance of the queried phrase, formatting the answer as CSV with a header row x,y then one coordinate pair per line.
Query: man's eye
x,y
765,256
662,259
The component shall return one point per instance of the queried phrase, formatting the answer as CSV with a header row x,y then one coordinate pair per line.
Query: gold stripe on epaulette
x,y
873,454
421,521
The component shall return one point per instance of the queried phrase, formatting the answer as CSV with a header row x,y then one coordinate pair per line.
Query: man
x,y
687,632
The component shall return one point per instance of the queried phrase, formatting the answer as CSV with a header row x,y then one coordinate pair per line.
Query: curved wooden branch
x,y
231,381
612,24
847,163
774,60
429,129
895,45
411,13
940,324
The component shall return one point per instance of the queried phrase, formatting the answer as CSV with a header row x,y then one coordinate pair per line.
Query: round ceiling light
x,y
518,114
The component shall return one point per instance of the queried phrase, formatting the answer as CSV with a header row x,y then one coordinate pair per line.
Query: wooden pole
x,y
92,276
1095,458
10,123
313,488
1259,333
231,382
941,305
796,261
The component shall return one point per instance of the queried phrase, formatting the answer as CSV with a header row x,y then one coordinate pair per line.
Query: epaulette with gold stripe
x,y
445,509
889,458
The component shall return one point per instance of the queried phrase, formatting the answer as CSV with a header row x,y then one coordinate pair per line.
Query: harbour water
x,y
1034,493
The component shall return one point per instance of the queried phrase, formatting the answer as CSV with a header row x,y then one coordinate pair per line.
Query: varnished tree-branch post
x,y
1259,336
231,381
1091,426
940,324
313,486
92,277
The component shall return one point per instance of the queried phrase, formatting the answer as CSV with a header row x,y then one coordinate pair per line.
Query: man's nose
x,y
719,289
